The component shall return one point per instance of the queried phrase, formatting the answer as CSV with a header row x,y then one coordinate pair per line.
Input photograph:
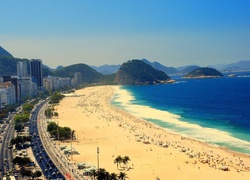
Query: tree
x,y
73,136
122,176
27,107
25,172
19,141
48,113
52,126
55,114
37,174
21,161
125,160
113,176
64,132
20,120
56,97
118,160
18,127
102,174
93,173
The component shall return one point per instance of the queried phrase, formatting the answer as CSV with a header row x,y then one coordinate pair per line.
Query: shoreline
x,y
176,120
117,132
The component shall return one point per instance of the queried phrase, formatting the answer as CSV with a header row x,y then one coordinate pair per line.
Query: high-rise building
x,y
36,72
26,88
22,69
78,78
14,81
7,92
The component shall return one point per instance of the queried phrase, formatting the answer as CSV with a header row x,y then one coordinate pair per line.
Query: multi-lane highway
x,y
6,155
48,167
66,168
53,164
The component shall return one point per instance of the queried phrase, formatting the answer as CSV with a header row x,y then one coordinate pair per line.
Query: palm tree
x,y
118,160
93,173
113,176
102,174
125,160
122,176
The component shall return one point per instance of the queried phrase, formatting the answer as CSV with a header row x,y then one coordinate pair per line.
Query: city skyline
x,y
173,33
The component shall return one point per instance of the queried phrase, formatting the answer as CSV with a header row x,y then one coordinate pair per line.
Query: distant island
x,y
204,72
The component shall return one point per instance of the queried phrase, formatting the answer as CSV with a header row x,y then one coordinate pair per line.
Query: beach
x,y
153,151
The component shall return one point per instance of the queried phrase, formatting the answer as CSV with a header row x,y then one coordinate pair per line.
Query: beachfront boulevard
x,y
53,163
48,166
6,153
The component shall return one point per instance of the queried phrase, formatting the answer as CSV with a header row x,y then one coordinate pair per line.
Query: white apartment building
x,y
53,83
27,88
8,94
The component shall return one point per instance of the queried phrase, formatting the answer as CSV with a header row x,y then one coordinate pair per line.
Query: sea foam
x,y
172,122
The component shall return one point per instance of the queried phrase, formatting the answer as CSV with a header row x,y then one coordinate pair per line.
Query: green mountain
x,y
188,69
205,72
137,72
3,52
89,75
8,65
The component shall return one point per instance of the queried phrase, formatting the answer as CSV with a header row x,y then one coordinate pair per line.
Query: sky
x,y
97,32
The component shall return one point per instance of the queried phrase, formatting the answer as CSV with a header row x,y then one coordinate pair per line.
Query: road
x,y
68,169
52,162
48,167
6,153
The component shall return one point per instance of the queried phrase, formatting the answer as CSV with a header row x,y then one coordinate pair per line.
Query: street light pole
x,y
98,158
71,145
58,132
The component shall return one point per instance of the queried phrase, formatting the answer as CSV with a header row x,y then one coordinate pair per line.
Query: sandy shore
x,y
153,151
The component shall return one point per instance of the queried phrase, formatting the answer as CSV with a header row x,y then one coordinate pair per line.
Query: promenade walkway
x,y
66,167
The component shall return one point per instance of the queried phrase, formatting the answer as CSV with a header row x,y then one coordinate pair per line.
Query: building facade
x,y
54,83
77,80
7,92
14,81
36,72
27,88
22,69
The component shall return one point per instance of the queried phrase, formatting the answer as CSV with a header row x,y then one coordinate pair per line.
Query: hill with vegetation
x,y
187,69
8,66
204,72
89,75
137,72
5,53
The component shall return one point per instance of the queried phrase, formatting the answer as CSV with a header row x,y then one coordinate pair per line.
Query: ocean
x,y
216,111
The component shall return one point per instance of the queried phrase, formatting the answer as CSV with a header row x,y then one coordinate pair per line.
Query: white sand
x,y
115,132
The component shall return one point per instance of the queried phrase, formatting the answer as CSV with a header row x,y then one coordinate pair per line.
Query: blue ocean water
x,y
216,111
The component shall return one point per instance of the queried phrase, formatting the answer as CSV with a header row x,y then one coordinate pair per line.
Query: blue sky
x,y
97,32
